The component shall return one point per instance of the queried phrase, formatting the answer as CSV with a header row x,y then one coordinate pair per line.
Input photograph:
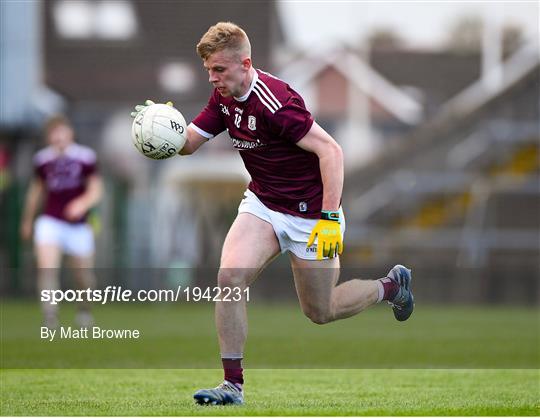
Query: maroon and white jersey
x,y
265,125
64,176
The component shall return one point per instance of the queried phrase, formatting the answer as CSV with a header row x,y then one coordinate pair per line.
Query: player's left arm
x,y
319,142
78,207
328,229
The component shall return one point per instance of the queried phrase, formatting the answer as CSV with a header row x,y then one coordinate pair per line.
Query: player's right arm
x,y
31,205
193,142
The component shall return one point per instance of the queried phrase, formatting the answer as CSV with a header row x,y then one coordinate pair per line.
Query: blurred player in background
x,y
66,180
292,205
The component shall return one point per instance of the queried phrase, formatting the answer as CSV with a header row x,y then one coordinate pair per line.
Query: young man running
x,y
292,204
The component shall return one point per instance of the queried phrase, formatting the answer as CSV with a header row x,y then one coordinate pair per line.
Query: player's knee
x,y
232,277
318,316
85,278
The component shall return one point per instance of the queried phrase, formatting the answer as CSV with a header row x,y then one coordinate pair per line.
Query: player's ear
x,y
246,63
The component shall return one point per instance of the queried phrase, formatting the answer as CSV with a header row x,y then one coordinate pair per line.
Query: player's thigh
x,y
250,245
48,242
48,256
314,281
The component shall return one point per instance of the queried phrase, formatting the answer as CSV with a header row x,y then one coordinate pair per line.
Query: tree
x,y
385,38
466,36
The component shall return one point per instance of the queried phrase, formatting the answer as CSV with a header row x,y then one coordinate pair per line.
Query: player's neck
x,y
61,150
246,85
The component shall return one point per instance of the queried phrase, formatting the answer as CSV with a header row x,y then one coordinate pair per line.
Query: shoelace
x,y
228,387
393,305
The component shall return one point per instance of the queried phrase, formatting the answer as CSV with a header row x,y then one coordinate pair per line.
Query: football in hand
x,y
159,131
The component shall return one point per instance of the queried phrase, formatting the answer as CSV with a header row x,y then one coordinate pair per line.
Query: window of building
x,y
107,20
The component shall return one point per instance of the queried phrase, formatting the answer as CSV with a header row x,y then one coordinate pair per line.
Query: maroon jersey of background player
x,y
64,176
265,125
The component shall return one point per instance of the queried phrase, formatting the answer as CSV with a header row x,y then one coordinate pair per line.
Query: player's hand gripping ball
x,y
158,130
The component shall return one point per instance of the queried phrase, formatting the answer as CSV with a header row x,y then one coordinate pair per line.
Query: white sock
x,y
232,356
380,288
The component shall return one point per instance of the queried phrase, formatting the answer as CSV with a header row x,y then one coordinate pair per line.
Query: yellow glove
x,y
147,103
328,233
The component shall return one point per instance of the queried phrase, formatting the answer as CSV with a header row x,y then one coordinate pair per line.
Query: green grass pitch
x,y
273,392
444,361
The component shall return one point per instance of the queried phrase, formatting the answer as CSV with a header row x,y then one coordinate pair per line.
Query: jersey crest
x,y
252,122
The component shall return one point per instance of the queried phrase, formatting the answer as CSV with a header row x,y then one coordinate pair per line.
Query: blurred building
x,y
369,97
353,101
119,53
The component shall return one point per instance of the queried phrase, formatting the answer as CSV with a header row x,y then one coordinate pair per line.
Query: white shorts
x,y
73,239
292,231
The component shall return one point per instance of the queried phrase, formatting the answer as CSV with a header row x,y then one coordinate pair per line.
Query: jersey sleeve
x,y
292,121
90,165
38,167
209,122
